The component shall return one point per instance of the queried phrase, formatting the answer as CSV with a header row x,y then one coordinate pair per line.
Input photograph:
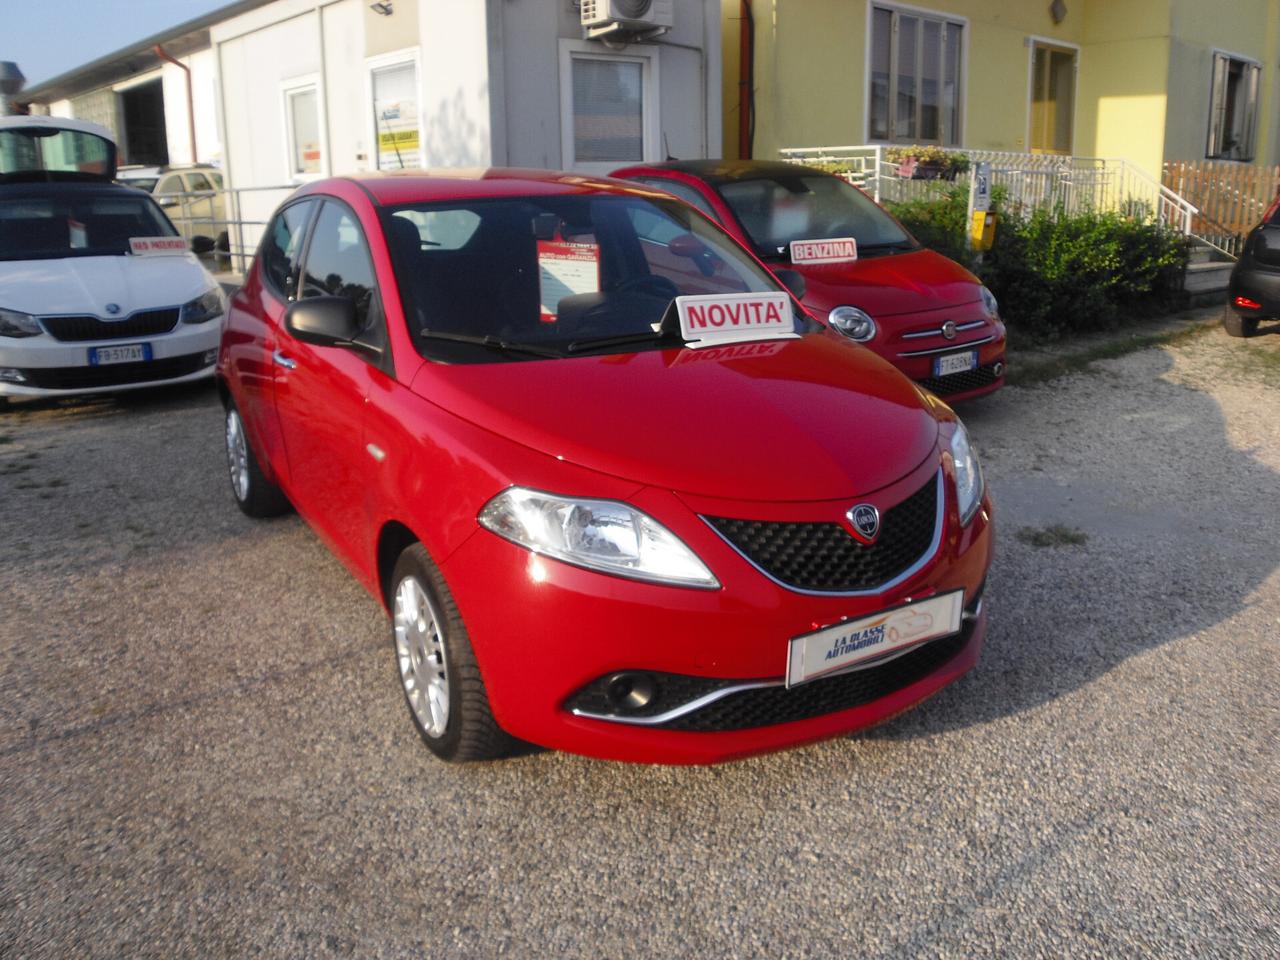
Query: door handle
x,y
283,361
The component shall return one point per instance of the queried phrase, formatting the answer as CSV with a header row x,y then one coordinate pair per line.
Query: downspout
x,y
746,82
191,108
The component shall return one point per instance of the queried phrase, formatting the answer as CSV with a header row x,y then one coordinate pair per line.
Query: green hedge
x,y
1059,275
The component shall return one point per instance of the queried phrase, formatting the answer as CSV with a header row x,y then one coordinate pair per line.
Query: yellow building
x,y
1146,81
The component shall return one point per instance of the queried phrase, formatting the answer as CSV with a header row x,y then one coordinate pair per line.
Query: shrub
x,y
1056,274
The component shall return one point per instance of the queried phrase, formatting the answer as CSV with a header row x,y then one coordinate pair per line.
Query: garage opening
x,y
145,140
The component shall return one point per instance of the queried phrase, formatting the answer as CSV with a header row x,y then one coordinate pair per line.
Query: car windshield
x,y
512,279
775,211
28,153
141,183
76,224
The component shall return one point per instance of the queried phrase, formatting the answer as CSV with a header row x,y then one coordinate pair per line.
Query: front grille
x,y
111,375
825,557
766,706
146,323
961,382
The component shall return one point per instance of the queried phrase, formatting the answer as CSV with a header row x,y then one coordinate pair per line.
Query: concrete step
x,y
1207,276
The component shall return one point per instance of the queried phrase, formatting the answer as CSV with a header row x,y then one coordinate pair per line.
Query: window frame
x,y
962,80
286,296
289,89
1250,126
1062,46
396,58
650,107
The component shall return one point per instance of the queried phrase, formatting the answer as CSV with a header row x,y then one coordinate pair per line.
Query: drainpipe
x,y
191,109
746,82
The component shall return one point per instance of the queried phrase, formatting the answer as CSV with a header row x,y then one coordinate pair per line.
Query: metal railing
x,y
1031,181
233,218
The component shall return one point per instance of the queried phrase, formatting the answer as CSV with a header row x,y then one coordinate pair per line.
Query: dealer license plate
x,y
119,353
841,646
955,363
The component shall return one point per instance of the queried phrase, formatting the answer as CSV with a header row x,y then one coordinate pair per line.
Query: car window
x,y
65,223
282,246
685,192
437,229
170,184
338,262
198,181
140,183
702,273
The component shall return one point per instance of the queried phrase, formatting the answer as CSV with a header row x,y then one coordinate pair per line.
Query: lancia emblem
x,y
113,308
865,520
949,329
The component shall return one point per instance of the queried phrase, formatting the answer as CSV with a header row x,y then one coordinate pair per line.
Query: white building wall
x,y
204,99
60,108
454,78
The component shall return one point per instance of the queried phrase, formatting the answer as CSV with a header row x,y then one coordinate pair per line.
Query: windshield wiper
x,y
660,331
492,342
893,245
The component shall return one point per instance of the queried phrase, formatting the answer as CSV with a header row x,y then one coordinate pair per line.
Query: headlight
x,y
990,303
15,324
969,482
208,306
602,535
853,323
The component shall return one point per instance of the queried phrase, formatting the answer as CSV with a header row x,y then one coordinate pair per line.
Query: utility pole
x,y
11,81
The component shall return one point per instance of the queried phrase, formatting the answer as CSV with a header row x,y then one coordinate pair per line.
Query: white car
x,y
98,291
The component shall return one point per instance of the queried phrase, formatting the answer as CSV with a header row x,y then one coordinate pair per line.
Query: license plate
x,y
955,363
841,646
119,353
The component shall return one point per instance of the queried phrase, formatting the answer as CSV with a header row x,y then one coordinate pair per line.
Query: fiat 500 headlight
x,y
208,306
969,483
15,324
603,535
989,303
853,323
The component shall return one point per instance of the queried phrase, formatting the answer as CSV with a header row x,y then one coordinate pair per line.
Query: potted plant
x,y
927,163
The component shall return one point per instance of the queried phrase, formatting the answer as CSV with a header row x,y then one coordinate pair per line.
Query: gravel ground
x,y
203,750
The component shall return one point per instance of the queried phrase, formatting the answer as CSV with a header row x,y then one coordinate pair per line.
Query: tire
x,y
1238,326
436,666
254,494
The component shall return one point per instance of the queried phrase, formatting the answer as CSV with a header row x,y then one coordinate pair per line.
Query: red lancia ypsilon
x,y
620,494
865,274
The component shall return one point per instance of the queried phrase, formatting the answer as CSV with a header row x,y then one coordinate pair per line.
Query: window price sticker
x,y
565,270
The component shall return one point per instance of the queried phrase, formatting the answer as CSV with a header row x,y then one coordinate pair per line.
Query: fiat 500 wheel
x,y
436,666
255,494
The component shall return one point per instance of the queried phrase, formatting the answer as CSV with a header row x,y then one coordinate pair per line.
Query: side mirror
x,y
323,321
793,280
200,245
167,200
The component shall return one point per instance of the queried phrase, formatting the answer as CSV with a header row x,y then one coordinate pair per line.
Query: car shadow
x,y
1140,467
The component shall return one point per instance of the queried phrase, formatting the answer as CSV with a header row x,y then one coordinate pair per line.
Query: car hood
x,y
86,285
814,418
884,286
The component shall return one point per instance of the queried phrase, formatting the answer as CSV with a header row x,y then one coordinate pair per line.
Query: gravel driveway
x,y
203,749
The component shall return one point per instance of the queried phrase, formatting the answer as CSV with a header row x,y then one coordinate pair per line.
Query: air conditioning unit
x,y
632,19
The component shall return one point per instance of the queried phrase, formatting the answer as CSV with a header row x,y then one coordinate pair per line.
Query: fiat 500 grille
x,y
146,323
826,557
961,382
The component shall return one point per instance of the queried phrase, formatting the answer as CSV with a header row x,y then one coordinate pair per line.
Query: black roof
x,y
726,171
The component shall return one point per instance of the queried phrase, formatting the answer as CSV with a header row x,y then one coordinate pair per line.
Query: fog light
x,y
997,369
630,691
12,375
1247,304
210,357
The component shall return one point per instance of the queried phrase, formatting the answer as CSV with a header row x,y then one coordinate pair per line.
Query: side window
x,y
682,190
170,184
282,245
198,181
338,262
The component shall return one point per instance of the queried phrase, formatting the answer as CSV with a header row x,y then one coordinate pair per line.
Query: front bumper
x,y
909,343
549,630
53,368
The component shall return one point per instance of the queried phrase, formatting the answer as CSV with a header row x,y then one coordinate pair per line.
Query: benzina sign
x,y
714,319
824,251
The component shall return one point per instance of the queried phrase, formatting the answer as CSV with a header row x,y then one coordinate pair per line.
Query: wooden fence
x,y
1231,197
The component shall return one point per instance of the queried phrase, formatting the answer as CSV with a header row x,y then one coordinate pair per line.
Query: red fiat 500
x,y
619,493
865,275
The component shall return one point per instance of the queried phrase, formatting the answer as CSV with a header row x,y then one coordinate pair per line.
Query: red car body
x,y
376,456
911,295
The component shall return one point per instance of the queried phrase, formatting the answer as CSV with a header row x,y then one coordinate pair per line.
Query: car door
x,y
250,333
199,204
321,392
170,194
